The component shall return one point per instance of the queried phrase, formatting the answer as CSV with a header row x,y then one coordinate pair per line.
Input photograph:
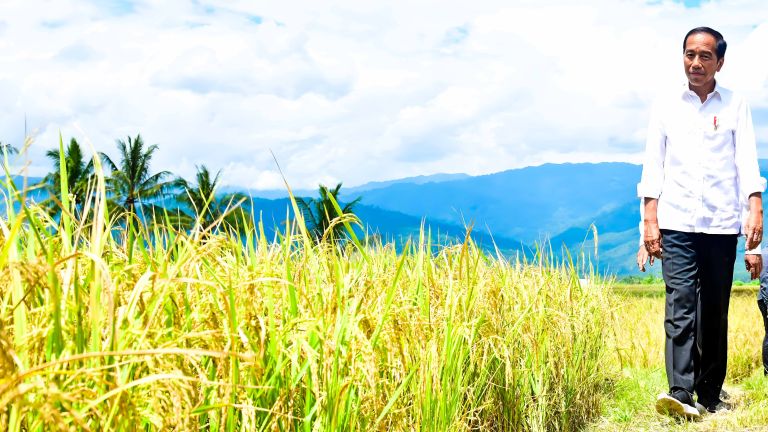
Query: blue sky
x,y
691,3
116,7
353,91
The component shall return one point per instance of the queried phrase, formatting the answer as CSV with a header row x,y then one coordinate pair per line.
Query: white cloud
x,y
354,91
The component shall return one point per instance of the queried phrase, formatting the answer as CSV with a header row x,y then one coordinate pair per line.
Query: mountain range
x,y
590,209
516,210
587,208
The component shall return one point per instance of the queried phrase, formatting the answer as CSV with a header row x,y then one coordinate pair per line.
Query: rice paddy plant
x,y
107,324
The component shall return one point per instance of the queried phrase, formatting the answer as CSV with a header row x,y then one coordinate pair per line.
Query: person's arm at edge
x,y
642,253
649,188
753,258
752,185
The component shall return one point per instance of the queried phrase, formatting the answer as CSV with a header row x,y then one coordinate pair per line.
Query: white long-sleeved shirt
x,y
701,162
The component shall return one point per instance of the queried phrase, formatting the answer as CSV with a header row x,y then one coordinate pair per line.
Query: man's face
x,y
700,59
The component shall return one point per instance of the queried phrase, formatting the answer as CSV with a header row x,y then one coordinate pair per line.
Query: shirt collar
x,y
717,92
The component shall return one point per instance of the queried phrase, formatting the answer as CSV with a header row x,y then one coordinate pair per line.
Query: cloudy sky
x,y
356,90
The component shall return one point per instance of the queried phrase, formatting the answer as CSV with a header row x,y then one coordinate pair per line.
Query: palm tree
x,y
80,175
319,213
8,148
202,204
131,184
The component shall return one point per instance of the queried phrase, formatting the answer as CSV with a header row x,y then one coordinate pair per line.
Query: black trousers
x,y
698,273
764,312
762,304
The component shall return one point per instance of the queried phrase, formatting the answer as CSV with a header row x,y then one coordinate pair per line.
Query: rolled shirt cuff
x,y
756,186
756,251
645,190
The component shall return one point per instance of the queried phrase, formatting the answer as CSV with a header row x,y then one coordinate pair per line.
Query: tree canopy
x,y
321,212
201,204
133,187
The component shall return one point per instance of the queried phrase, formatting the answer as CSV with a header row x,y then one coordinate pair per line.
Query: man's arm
x,y
753,227
652,234
751,186
649,188
753,259
642,253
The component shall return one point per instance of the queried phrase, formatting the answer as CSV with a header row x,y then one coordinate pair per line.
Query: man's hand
x,y
642,258
754,226
754,264
651,232
652,238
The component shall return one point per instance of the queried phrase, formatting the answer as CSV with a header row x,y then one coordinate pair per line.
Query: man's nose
x,y
696,64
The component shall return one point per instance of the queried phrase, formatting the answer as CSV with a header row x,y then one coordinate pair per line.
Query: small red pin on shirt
x,y
714,122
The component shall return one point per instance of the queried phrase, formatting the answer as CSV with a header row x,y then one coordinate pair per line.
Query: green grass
x,y
657,290
631,395
640,361
631,406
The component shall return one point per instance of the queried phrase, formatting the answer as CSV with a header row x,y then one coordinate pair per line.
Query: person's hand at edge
x,y
642,257
754,265
754,226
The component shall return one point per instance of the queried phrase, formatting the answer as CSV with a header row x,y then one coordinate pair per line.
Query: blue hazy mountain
x,y
283,193
528,204
553,204
559,205
418,180
29,186
388,225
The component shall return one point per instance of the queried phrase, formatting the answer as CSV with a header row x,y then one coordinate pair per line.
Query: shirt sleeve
x,y
745,154
747,169
653,162
641,225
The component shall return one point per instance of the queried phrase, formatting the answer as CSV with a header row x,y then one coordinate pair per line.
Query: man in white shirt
x,y
701,188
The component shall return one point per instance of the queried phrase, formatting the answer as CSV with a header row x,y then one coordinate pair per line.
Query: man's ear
x,y
720,62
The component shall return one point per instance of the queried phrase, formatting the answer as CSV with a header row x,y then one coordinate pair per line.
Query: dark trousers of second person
x,y
762,304
698,273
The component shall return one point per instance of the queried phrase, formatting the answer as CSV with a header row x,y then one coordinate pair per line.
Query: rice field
x,y
104,327
107,325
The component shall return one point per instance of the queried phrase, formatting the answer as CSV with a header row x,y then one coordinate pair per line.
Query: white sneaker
x,y
667,404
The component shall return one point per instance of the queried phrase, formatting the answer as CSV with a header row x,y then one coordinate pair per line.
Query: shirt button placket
x,y
698,221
